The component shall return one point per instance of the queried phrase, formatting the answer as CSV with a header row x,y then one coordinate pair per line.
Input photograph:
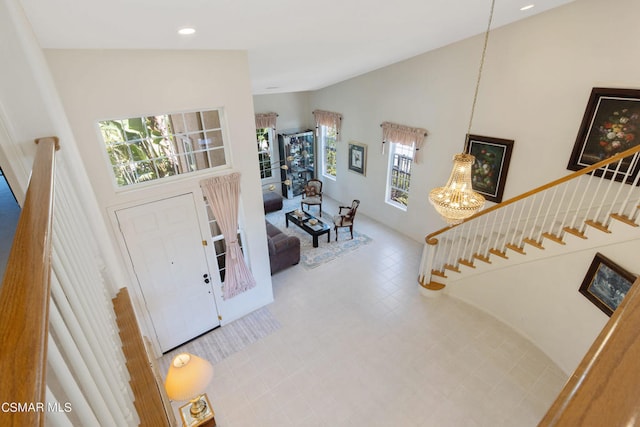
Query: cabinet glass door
x,y
298,150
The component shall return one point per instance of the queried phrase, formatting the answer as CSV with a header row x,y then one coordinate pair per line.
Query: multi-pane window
x,y
399,175
219,245
328,136
146,148
264,137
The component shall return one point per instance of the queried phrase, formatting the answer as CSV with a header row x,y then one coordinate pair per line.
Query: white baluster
x,y
547,215
632,188
81,408
536,218
596,195
494,214
57,418
516,226
603,198
103,401
561,203
590,180
625,177
96,360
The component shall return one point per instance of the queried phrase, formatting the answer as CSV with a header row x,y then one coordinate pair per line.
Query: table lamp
x,y
187,379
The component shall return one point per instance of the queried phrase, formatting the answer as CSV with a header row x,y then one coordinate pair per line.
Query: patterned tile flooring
x,y
360,346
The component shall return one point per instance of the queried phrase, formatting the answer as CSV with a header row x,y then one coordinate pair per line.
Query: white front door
x,y
165,244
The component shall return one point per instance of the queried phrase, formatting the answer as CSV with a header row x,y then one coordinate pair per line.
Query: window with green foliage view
x,y
152,147
328,147
264,137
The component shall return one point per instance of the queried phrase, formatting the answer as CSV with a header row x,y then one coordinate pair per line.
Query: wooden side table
x,y
207,419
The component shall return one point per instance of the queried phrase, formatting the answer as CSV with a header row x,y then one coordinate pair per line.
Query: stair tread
x,y
625,219
554,238
597,225
575,232
516,248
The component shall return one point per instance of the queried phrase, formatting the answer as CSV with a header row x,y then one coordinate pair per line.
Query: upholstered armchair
x,y
346,216
312,194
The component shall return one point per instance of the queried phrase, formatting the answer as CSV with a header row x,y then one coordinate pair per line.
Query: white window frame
x,y
269,151
406,152
220,254
187,153
322,135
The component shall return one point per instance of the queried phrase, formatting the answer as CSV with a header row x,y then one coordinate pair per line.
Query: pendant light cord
x,y
475,96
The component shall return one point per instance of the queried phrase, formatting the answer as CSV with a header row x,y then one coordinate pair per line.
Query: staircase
x,y
571,213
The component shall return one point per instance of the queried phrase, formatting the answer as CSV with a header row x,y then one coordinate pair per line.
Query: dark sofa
x,y
284,250
272,201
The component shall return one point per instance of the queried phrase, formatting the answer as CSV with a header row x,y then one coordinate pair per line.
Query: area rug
x,y
226,340
311,257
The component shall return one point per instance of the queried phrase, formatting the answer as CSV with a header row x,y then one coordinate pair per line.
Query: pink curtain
x,y
406,135
328,118
266,120
223,193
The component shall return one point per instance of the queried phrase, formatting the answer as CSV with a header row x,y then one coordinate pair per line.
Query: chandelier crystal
x,y
457,201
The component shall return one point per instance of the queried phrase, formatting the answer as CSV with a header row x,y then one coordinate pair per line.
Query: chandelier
x,y
457,201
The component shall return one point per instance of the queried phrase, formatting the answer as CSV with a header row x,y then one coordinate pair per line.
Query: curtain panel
x,y
266,120
223,193
405,135
328,118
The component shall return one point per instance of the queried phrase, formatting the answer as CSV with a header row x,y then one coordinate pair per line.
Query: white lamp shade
x,y
188,377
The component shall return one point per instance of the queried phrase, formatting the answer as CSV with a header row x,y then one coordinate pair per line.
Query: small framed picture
x,y
610,125
606,284
489,172
358,158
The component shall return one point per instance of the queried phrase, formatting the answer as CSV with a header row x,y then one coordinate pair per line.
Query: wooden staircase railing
x,y
591,197
605,388
150,399
25,295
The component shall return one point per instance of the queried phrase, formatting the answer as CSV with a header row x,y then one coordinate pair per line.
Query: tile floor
x,y
360,346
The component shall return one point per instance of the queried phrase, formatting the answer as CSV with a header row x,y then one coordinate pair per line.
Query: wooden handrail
x,y
431,240
605,388
24,298
150,399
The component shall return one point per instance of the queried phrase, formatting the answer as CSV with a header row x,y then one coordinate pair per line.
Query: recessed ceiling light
x,y
527,7
186,31
272,87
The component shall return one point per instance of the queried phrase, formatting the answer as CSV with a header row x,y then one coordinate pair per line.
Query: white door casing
x,y
165,244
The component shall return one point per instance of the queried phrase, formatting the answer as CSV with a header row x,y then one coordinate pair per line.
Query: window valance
x,y
266,120
405,135
328,118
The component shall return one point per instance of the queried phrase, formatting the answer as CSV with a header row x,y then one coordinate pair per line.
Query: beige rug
x,y
226,340
311,257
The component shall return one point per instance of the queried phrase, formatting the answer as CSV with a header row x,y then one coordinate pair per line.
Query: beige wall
x,y
96,85
535,85
292,108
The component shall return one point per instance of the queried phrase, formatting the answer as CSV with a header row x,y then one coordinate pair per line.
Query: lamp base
x,y
203,416
198,407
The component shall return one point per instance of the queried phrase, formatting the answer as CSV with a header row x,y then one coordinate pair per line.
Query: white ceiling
x,y
293,45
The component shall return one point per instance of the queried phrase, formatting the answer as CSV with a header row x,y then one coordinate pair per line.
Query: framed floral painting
x,y
489,171
610,125
606,284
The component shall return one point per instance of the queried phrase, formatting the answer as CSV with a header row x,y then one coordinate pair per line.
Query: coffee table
x,y
314,230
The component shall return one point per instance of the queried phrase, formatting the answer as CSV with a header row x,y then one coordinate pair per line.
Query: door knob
x,y
206,280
